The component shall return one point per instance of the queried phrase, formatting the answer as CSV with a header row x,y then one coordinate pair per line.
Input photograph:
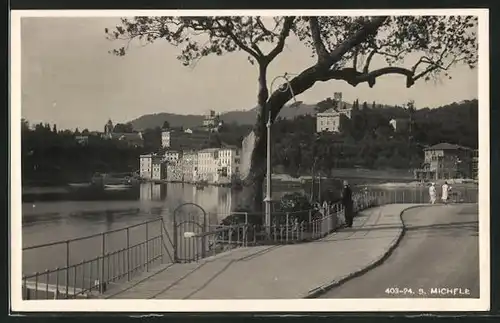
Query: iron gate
x,y
190,228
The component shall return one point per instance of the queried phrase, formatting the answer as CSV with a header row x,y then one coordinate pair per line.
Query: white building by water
x,y
208,160
218,165
145,166
172,156
150,166
229,162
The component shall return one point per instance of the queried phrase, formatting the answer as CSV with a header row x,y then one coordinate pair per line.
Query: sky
x,y
69,78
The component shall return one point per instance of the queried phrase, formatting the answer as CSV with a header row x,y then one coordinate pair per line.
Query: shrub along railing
x,y
140,247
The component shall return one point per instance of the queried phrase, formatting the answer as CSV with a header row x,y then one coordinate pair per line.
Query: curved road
x,y
437,257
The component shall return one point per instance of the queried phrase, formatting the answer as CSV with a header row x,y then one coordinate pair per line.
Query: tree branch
x,y
264,29
238,42
287,26
319,46
368,29
369,60
311,75
355,58
354,77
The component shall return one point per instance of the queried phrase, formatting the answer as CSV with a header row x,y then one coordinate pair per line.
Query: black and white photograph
x,y
250,160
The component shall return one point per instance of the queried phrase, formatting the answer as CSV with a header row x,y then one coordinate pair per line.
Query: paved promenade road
x,y
440,250
271,272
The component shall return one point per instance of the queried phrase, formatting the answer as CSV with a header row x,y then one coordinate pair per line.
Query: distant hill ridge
x,y
241,117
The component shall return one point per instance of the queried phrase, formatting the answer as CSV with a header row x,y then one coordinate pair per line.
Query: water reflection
x,y
152,192
69,217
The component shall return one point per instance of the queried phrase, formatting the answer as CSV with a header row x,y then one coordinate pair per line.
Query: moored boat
x,y
117,187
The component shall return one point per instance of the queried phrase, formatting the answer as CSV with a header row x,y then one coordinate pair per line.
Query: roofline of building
x,y
448,148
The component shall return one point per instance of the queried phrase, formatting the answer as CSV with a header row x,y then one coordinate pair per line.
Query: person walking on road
x,y
348,204
432,193
444,194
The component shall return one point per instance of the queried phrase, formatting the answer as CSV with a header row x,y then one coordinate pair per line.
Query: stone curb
x,y
318,291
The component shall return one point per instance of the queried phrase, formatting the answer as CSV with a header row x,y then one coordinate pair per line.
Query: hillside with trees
x,y
54,157
369,141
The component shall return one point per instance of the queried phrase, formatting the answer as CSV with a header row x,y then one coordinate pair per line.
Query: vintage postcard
x,y
284,160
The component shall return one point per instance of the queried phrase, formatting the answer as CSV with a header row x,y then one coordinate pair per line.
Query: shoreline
x,y
419,184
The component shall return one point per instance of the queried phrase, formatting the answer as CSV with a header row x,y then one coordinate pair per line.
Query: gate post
x,y
103,253
175,239
204,237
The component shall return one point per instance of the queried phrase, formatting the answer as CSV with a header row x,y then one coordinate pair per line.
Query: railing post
x,y
286,220
175,242
161,240
56,294
67,268
147,247
47,276
128,254
36,285
103,252
204,237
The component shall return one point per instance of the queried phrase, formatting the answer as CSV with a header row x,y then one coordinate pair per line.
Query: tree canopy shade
x,y
344,48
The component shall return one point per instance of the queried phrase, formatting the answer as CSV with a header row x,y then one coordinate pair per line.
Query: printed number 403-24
x,y
396,290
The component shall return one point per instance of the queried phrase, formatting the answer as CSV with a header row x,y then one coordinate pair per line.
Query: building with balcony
x,y
151,166
211,121
475,164
158,169
189,165
445,161
218,165
208,162
228,164
172,156
332,119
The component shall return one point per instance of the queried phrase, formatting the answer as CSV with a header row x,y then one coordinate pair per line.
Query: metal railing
x,y
307,225
130,250
116,256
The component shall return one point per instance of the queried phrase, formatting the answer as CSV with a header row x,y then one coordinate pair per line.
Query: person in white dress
x,y
444,193
432,193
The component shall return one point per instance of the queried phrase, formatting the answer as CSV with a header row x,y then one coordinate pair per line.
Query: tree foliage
x,y
344,48
123,128
54,158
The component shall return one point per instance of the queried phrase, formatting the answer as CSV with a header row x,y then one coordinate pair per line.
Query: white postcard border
x,y
295,305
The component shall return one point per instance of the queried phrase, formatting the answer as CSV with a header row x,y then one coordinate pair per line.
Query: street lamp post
x,y
268,198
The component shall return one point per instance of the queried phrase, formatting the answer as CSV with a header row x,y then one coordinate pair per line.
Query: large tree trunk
x,y
259,153
258,165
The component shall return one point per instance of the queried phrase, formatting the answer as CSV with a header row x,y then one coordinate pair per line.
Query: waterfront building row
x,y
212,165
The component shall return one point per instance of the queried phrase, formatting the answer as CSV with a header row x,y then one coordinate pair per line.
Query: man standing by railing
x,y
347,202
